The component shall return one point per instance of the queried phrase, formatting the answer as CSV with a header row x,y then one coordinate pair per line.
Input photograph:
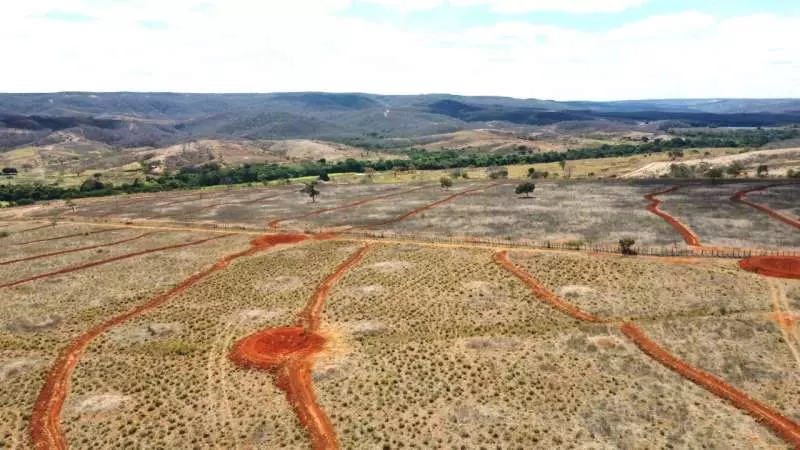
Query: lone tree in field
x,y
446,183
525,188
563,165
310,189
626,246
762,171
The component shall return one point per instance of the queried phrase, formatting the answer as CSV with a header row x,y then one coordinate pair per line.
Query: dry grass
x,y
647,289
428,347
38,319
452,353
182,388
598,213
708,211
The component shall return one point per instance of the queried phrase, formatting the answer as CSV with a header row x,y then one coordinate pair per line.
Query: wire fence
x,y
662,251
666,251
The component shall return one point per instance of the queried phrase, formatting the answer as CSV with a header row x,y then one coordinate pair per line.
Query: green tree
x,y
497,172
446,183
324,176
532,173
626,246
735,169
525,188
715,173
310,189
563,164
762,171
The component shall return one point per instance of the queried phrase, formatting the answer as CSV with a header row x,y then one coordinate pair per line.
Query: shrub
x,y
626,246
525,188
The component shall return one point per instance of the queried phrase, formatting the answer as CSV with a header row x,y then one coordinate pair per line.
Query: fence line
x,y
593,248
737,253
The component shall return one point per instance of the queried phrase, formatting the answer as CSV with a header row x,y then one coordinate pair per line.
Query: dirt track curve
x,y
773,266
416,211
785,427
740,197
288,353
45,426
688,235
109,260
73,250
33,228
541,292
275,224
67,236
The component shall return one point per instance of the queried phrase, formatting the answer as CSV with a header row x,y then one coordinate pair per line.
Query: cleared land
x,y
134,326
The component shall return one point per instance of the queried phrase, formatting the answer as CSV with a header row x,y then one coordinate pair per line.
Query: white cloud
x,y
517,6
242,46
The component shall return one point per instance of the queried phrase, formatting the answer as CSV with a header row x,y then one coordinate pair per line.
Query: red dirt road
x,y
73,250
416,211
109,260
688,235
106,230
45,426
541,292
785,427
33,228
214,205
773,266
739,197
288,353
275,224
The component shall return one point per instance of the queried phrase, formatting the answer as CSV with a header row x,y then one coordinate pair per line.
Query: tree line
x,y
213,174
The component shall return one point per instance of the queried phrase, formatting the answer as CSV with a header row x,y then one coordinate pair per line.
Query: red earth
x,y
785,427
688,235
288,353
45,426
73,250
740,198
107,260
67,236
275,224
773,266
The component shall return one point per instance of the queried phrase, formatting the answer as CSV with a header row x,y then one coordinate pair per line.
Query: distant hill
x,y
127,119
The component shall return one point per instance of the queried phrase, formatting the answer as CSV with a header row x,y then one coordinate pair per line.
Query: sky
x,y
547,49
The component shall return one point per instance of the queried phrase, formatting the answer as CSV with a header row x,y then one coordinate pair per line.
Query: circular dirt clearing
x,y
268,349
773,266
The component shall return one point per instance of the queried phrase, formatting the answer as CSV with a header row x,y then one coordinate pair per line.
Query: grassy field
x,y
425,345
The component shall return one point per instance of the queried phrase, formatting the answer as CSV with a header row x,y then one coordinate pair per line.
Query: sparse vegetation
x,y
497,364
525,188
311,190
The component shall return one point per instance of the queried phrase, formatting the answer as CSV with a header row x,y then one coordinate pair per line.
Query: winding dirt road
x,y
108,260
288,353
740,197
45,426
275,224
416,211
67,236
688,235
785,427
73,250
